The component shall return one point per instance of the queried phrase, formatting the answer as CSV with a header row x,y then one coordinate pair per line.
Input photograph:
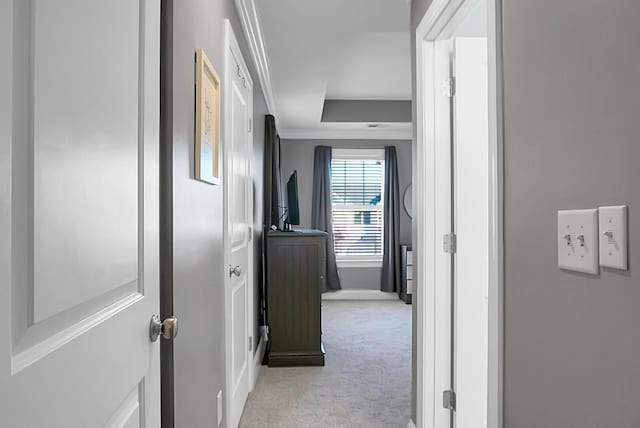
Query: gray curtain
x,y
391,244
321,215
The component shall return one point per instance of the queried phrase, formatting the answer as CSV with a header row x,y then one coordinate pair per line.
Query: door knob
x,y
168,328
235,270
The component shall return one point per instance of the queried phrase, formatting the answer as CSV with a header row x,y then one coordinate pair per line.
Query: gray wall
x,y
572,140
360,278
366,111
198,271
298,155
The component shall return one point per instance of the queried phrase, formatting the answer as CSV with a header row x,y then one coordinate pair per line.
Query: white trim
x,y
495,413
253,33
440,14
357,153
404,132
370,260
422,253
411,424
257,361
362,262
232,49
360,295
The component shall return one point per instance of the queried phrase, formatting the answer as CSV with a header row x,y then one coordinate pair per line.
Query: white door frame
x,y
233,48
440,19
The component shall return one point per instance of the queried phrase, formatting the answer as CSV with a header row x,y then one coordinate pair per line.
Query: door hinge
x,y
250,125
449,400
449,243
450,87
250,343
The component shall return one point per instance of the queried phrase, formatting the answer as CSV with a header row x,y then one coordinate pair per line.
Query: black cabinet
x,y
295,274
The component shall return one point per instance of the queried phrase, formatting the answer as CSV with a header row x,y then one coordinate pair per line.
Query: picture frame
x,y
207,121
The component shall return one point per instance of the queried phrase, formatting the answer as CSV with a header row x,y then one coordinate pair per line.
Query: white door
x,y
238,184
471,226
79,110
443,200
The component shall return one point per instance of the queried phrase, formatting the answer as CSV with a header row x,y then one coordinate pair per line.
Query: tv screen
x,y
293,211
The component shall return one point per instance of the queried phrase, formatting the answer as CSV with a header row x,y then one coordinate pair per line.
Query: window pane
x,y
357,232
356,182
357,186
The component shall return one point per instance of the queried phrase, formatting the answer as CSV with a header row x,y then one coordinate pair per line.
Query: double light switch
x,y
588,239
578,240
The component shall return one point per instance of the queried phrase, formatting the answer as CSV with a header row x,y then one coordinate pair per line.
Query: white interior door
x,y
442,196
239,208
79,110
471,225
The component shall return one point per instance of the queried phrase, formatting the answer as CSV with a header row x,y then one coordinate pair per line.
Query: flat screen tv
x,y
293,209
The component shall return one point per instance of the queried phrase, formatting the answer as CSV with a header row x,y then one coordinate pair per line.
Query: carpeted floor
x,y
366,381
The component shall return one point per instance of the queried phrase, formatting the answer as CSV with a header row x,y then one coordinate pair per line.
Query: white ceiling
x,y
371,66
335,49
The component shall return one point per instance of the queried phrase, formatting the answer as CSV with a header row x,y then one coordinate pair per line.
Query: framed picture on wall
x,y
207,133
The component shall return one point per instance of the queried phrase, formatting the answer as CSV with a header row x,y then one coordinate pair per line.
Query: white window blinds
x,y
357,179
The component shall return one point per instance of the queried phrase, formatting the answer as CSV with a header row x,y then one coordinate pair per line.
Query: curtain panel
x,y
321,211
390,278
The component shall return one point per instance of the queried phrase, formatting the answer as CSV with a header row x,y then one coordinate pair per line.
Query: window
x,y
357,184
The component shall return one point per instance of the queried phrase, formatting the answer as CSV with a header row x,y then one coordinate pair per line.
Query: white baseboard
x,y
359,295
411,425
257,361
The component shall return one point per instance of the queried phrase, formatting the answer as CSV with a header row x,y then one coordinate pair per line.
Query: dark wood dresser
x,y
295,275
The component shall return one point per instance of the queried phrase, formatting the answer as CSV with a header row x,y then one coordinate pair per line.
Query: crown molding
x,y
395,133
255,39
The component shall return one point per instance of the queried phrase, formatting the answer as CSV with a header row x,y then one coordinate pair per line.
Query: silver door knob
x,y
168,328
235,270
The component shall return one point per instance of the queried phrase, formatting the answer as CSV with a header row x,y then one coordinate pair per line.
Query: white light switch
x,y
613,236
578,240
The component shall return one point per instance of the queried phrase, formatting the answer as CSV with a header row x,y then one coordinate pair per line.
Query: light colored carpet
x,y
366,381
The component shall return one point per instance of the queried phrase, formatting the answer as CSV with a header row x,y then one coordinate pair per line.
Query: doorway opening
x,y
366,333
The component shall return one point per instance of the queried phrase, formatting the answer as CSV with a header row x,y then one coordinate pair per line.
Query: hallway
x,y
366,381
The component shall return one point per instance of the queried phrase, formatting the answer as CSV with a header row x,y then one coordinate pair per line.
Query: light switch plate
x,y
613,236
578,241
